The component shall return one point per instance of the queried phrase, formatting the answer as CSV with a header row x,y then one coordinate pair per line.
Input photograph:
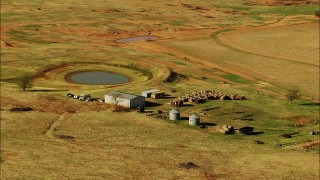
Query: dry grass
x,y
256,56
134,146
70,139
296,43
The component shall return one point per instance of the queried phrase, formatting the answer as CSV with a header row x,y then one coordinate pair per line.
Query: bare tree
x,y
25,81
293,94
116,98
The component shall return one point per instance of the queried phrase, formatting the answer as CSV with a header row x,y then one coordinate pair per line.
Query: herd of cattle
x,y
199,97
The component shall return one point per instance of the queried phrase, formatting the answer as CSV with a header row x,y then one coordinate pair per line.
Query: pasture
x,y
259,49
291,62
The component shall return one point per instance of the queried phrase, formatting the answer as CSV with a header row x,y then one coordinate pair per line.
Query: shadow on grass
x,y
255,133
207,124
152,104
185,105
238,112
46,90
310,104
247,117
209,109
168,97
184,118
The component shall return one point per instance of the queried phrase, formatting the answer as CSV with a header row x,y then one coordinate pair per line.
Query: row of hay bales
x,y
199,97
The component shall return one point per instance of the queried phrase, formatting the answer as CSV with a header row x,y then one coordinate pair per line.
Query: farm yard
x,y
219,74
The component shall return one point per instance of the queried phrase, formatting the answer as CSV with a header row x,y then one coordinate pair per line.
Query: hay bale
x,y
226,129
225,97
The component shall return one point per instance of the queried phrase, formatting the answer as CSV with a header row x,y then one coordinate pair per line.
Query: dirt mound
x,y
175,77
299,121
6,44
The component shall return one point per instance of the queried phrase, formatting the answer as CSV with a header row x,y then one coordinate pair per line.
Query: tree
x,y
293,94
25,81
116,98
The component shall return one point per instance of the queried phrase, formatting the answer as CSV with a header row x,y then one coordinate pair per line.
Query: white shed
x,y
124,99
148,93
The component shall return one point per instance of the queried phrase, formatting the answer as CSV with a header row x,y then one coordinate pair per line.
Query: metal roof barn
x,y
125,99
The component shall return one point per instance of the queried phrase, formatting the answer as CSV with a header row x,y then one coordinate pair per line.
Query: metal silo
x,y
194,120
174,114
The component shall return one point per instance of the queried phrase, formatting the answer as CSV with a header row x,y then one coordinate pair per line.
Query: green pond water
x,y
97,78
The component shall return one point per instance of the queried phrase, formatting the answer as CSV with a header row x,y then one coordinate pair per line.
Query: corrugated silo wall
x,y
174,116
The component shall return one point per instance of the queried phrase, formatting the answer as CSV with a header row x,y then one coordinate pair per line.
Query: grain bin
x,y
194,120
174,114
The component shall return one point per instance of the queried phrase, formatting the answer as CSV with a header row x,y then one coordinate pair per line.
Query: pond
x,y
97,78
134,39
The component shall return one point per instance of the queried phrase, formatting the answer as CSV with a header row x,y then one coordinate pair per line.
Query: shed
x,y
174,114
125,99
194,120
149,92
157,95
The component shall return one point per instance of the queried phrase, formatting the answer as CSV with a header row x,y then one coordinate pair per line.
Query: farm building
x,y
149,92
125,99
158,95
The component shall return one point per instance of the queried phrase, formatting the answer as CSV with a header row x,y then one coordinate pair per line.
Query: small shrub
x,y
25,81
293,94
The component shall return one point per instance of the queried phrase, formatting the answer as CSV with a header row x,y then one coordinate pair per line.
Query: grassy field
x,y
258,52
234,47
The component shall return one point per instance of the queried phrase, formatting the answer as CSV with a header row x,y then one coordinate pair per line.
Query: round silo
x,y
174,114
194,120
